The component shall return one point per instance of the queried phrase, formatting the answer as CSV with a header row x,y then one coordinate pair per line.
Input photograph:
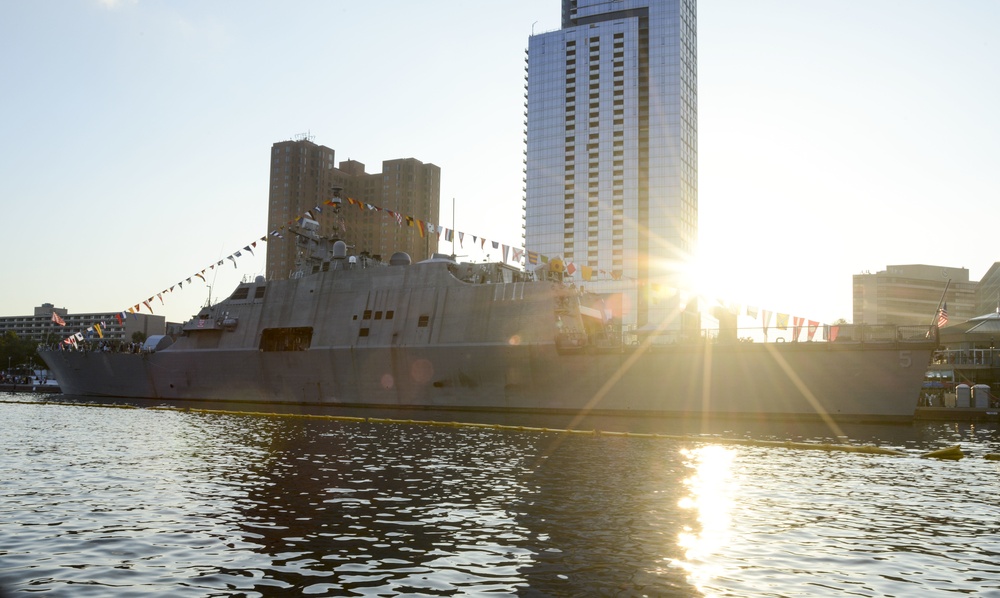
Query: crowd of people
x,y
104,346
14,378
24,376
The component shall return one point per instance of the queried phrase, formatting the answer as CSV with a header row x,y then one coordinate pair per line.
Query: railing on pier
x,y
989,358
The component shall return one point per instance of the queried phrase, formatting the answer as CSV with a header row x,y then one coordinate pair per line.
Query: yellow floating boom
x,y
952,452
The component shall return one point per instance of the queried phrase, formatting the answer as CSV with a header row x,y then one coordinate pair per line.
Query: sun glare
x,y
718,275
710,495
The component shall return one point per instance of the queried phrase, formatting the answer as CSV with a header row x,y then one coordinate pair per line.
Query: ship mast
x,y
314,248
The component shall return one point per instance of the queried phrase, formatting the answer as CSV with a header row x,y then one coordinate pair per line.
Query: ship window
x,y
368,315
259,293
286,339
240,293
363,332
378,315
422,322
388,314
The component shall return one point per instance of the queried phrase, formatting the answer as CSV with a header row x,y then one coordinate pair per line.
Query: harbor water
x,y
104,501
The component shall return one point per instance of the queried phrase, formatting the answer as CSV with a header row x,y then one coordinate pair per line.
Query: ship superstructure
x,y
350,330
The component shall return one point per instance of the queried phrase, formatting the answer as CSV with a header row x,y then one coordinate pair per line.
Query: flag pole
x,y
937,312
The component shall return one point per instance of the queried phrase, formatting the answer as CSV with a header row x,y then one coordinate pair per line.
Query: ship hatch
x,y
286,339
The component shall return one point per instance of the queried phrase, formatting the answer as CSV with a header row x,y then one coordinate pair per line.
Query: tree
x,y
138,337
15,351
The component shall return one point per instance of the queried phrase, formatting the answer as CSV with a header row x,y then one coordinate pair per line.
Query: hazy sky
x,y
834,138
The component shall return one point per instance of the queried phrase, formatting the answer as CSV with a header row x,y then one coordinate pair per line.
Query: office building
x,y
988,291
303,175
41,327
911,294
611,160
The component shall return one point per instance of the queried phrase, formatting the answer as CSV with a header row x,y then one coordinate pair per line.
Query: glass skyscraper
x,y
612,148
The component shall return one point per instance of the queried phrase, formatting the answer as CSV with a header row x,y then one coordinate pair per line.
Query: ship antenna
x,y
215,274
336,200
335,197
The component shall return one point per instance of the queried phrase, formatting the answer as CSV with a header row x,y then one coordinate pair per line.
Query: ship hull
x,y
856,381
479,337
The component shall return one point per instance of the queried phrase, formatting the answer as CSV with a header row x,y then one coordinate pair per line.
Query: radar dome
x,y
400,258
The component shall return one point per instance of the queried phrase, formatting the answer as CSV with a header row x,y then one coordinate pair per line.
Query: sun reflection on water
x,y
710,494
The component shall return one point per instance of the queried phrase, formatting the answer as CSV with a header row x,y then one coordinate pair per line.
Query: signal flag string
x,y
519,256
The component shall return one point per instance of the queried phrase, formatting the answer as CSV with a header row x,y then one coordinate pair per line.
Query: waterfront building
x,y
611,158
41,327
911,294
303,175
968,353
988,291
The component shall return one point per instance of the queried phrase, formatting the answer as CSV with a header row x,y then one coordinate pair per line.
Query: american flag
x,y
942,319
57,319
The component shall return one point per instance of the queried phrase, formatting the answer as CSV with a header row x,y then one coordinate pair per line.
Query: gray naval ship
x,y
440,334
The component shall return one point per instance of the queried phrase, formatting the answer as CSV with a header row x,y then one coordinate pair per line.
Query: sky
x,y
834,138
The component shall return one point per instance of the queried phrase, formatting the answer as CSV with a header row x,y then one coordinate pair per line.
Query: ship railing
x,y
841,335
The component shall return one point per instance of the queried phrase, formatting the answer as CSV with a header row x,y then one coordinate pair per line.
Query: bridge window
x,y
286,339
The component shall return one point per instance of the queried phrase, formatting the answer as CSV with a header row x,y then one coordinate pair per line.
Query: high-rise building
x,y
612,148
303,176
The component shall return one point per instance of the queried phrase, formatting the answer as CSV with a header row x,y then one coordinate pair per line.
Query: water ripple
x,y
104,502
